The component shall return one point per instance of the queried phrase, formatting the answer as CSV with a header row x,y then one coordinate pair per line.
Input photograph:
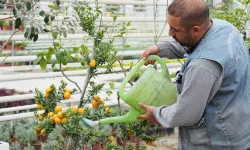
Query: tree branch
x,y
125,72
1,50
8,56
118,71
85,85
69,78
10,17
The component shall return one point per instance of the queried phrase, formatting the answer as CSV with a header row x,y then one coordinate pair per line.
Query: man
x,y
213,103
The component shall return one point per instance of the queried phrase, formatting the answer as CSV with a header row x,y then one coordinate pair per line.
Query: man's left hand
x,y
149,114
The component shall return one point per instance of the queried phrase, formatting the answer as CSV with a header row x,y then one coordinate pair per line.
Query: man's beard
x,y
181,43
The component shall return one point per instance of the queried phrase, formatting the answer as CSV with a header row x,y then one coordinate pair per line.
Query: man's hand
x,y
149,115
152,50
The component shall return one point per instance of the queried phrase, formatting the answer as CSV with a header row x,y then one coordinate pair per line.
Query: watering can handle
x,y
137,67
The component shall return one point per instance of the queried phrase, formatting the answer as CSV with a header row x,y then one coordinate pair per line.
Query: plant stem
x,y
155,13
85,85
4,44
118,99
69,78
118,71
158,36
123,70
87,79
10,17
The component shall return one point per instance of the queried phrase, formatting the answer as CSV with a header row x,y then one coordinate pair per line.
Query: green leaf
x,y
72,30
132,29
14,12
65,34
112,84
43,63
52,17
18,22
75,59
37,60
114,18
36,30
53,64
59,56
83,63
40,54
51,50
48,56
58,2
128,23
118,35
46,19
28,5
85,49
55,34
32,29
32,35
35,37
75,49
64,62
56,44
127,46
109,92
18,6
42,13
52,6
99,11
66,53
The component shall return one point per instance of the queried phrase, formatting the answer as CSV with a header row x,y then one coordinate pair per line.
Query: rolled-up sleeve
x,y
171,49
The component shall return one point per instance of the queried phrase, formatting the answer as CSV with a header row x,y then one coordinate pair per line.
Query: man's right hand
x,y
152,50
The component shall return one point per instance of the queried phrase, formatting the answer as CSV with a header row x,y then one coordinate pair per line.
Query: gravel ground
x,y
167,142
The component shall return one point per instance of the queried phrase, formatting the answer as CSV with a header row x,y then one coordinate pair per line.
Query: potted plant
x,y
149,139
23,46
1,23
105,133
111,144
17,46
123,133
24,132
4,25
36,143
9,45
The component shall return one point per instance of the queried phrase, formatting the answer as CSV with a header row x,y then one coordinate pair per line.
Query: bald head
x,y
191,12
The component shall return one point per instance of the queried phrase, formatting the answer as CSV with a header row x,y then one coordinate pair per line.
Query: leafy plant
x,y
113,146
9,42
238,16
231,15
24,131
4,23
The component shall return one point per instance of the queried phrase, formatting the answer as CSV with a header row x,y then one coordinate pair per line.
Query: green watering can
x,y
152,88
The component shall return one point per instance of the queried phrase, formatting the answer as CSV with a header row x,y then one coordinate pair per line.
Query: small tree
x,y
101,54
238,15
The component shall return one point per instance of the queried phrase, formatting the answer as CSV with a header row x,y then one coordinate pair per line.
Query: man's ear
x,y
196,30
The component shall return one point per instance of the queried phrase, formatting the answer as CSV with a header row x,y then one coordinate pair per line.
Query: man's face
x,y
180,34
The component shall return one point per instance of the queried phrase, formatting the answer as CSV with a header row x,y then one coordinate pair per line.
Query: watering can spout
x,y
129,117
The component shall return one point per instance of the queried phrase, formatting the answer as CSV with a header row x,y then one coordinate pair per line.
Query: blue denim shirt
x,y
225,124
